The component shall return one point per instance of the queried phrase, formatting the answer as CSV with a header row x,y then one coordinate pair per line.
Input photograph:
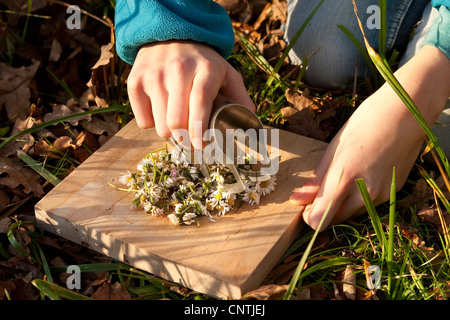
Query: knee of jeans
x,y
332,56
331,67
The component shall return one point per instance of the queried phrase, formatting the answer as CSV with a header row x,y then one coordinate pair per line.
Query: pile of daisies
x,y
166,183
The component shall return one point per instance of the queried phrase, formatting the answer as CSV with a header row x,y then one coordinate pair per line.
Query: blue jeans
x,y
332,55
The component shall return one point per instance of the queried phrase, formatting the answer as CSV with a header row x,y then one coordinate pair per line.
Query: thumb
x,y
307,193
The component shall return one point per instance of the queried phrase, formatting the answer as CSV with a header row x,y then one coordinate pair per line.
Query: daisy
x,y
266,187
145,165
154,192
127,179
189,218
173,218
252,196
216,176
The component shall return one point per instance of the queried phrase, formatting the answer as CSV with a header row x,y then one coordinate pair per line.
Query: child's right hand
x,y
173,84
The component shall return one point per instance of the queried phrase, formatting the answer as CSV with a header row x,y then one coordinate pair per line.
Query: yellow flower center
x,y
264,184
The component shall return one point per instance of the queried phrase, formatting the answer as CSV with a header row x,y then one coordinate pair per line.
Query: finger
x,y
204,91
351,207
307,193
141,106
234,89
177,117
332,193
158,96
316,211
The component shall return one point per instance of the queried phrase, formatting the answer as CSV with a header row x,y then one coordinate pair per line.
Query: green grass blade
x,y
373,214
55,292
390,251
93,267
44,262
444,201
62,119
361,49
382,32
39,168
291,45
12,239
301,264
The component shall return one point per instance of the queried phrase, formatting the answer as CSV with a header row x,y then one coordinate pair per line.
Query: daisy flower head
x,y
266,187
173,218
154,192
145,165
217,177
252,196
127,179
189,217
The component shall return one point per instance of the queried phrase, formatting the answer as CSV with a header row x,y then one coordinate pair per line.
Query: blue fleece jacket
x,y
138,22
439,35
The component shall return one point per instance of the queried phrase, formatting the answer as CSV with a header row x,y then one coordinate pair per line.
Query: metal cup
x,y
230,124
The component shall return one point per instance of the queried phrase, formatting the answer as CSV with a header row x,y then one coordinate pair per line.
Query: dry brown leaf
x,y
62,143
55,50
267,292
85,140
422,194
305,116
349,285
431,215
273,11
110,291
17,175
61,110
97,83
25,142
15,89
108,125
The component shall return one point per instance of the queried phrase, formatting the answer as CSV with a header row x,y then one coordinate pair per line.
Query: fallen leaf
x,y
18,175
108,124
266,292
431,215
110,291
349,283
15,275
15,89
62,110
97,83
62,143
85,140
306,116
55,50
422,195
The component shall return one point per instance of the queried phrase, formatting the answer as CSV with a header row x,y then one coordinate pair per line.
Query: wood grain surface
x,y
224,259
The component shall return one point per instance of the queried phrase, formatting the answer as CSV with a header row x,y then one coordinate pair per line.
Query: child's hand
x,y
381,134
173,84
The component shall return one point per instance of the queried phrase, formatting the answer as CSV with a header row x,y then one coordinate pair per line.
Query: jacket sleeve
x,y
439,34
139,22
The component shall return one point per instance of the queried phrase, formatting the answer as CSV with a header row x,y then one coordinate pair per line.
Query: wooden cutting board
x,y
223,259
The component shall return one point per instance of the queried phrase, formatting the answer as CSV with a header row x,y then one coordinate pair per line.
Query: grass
x,y
412,256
